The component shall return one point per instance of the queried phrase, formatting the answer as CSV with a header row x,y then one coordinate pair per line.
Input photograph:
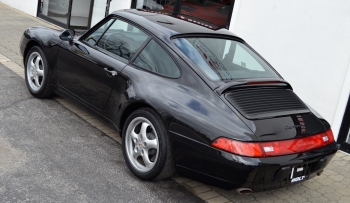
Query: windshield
x,y
224,59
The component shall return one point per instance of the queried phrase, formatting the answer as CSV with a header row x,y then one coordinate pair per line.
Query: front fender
x,y
47,39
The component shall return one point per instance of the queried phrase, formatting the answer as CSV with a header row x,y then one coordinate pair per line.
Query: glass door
x,y
72,14
99,11
344,133
54,11
80,14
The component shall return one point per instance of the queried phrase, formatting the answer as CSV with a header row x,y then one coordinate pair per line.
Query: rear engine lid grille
x,y
257,103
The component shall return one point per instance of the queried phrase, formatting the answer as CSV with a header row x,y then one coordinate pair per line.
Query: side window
x,y
154,58
122,39
92,39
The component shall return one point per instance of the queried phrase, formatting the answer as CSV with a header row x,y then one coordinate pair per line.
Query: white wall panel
x,y
27,6
119,4
307,42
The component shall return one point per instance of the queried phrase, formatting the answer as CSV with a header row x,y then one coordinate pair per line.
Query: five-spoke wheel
x,y
37,73
142,144
146,146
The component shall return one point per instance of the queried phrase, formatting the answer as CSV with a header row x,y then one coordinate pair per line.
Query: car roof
x,y
168,24
164,27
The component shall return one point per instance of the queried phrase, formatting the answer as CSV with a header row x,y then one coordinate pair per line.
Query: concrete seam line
x,y
194,187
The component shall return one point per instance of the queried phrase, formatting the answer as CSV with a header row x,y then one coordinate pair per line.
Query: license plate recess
x,y
299,173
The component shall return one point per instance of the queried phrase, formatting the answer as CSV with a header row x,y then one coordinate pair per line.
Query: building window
x,y
157,5
55,9
216,13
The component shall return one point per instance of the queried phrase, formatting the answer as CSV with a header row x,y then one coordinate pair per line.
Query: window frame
x,y
129,62
101,23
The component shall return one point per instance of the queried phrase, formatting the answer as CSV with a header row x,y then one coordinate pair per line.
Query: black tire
x,y
44,89
164,163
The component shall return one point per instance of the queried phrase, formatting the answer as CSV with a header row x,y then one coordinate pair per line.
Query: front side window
x,y
224,59
121,38
92,39
155,59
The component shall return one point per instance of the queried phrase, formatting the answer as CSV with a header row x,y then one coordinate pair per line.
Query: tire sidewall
x,y
162,154
44,86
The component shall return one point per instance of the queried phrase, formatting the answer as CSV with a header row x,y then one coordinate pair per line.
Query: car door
x,y
88,68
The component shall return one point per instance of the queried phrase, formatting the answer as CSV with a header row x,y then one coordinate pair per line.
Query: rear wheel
x,y
37,73
146,147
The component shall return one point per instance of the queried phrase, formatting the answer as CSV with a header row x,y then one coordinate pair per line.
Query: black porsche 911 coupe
x,y
184,98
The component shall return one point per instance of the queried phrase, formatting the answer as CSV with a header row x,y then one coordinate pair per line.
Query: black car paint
x,y
194,112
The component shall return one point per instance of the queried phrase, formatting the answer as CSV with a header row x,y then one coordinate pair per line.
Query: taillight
x,y
236,147
275,148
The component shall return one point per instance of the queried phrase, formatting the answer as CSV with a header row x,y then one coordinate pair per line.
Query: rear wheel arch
x,y
130,109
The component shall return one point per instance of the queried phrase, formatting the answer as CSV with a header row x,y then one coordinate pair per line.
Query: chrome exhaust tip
x,y
244,191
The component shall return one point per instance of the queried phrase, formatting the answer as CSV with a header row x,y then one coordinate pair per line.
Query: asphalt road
x,y
49,154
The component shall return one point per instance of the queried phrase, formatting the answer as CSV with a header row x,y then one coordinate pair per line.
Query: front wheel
x,y
146,147
37,73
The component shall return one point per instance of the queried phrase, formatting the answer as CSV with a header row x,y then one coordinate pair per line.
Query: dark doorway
x,y
344,133
72,14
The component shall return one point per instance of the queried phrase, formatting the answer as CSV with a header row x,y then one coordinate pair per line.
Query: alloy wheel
x,y
142,145
35,71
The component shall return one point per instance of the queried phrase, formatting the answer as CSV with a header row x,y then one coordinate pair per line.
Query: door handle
x,y
111,72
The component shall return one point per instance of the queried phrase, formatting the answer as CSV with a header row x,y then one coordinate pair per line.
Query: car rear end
x,y
292,145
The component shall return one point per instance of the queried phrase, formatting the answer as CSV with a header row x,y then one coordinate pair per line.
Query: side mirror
x,y
67,35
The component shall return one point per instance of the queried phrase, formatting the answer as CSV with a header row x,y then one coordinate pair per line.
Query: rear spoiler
x,y
235,84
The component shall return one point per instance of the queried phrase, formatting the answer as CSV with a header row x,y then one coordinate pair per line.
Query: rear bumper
x,y
221,169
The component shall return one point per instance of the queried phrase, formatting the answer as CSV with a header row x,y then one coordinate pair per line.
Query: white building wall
x,y
119,5
307,42
27,6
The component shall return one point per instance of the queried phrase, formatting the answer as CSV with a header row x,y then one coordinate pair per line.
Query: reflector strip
x,y
275,148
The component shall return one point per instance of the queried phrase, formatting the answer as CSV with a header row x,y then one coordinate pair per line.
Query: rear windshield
x,y
224,59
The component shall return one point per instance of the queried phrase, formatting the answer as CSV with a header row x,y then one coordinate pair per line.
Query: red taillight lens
x,y
236,147
298,145
276,148
330,136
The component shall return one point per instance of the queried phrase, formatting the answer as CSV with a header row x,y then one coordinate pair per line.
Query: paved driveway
x,y
49,154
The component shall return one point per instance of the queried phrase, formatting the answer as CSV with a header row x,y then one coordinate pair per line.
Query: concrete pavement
x,y
50,156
